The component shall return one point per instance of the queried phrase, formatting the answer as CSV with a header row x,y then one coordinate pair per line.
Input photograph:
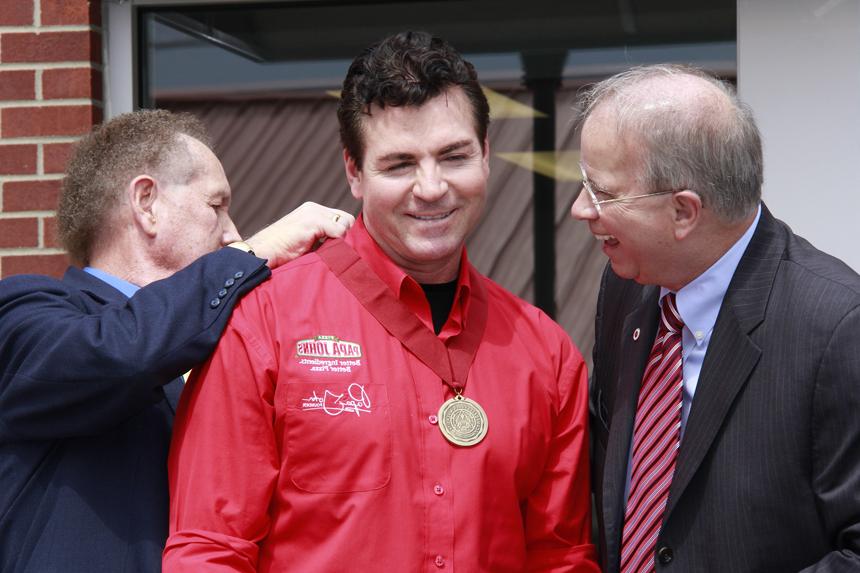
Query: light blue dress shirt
x,y
122,286
699,304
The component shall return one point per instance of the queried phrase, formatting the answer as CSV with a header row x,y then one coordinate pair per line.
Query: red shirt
x,y
309,441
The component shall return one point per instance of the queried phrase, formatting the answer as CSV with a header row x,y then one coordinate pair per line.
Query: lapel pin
x,y
636,334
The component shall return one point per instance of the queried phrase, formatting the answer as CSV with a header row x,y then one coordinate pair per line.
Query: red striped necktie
x,y
656,437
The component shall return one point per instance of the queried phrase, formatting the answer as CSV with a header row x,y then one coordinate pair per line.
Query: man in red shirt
x,y
379,405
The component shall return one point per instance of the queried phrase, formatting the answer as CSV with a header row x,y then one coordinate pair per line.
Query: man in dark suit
x,y
90,366
726,381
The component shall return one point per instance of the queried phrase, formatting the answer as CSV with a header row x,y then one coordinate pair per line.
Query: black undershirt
x,y
441,299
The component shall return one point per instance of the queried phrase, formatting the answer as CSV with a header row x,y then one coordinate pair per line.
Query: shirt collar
x,y
404,286
122,286
699,301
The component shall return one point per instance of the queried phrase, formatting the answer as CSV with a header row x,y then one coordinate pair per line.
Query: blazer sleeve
x,y
836,431
73,364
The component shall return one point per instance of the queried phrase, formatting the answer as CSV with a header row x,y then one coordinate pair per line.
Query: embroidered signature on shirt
x,y
356,401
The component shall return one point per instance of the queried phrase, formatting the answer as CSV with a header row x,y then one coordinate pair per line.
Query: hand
x,y
296,233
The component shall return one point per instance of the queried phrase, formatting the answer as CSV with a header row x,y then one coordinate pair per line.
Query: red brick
x,y
67,12
56,155
19,233
17,84
31,195
53,265
16,12
17,159
46,121
50,47
49,228
72,83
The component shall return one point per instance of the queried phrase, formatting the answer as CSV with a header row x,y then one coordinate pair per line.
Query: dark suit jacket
x,y
768,473
86,408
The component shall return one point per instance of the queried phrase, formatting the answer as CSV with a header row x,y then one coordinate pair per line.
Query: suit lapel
x,y
633,354
94,286
106,294
732,355
730,359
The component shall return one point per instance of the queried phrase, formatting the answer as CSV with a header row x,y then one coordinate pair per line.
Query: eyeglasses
x,y
598,202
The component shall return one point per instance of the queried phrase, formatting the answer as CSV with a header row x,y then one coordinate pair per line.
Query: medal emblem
x,y
462,421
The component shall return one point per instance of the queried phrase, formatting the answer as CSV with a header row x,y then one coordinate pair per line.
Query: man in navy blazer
x,y
90,366
744,459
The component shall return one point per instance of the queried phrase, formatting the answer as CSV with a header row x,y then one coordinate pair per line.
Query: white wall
x,y
799,69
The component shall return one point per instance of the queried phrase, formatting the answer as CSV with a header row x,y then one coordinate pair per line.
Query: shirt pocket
x,y
338,436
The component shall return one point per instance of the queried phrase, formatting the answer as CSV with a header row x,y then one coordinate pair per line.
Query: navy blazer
x,y
88,388
768,473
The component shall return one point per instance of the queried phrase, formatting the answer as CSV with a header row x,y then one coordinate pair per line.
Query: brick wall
x,y
50,94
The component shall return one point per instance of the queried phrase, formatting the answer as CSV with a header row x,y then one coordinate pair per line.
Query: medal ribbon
x,y
451,361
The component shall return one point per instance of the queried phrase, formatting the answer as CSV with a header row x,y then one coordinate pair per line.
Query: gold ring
x,y
336,217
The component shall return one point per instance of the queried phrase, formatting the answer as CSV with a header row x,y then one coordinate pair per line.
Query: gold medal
x,y
462,421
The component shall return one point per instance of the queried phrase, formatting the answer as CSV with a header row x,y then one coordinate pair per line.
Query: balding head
x,y
690,131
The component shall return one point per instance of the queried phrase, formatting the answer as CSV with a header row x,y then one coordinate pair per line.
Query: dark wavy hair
x,y
107,159
405,69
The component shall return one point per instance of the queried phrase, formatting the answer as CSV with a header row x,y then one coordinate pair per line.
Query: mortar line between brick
x,y
35,140
29,251
48,103
49,29
31,178
26,214
40,159
39,84
27,66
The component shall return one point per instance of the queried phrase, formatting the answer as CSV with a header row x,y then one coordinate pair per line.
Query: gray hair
x,y
706,141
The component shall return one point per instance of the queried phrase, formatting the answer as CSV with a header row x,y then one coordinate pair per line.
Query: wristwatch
x,y
242,246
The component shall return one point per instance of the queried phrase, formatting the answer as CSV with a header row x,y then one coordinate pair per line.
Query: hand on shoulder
x,y
298,232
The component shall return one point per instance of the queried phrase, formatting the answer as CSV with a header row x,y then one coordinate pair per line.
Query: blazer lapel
x,y
96,287
107,294
732,355
634,350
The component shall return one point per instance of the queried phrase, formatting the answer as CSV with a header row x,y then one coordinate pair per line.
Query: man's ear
x,y
486,156
353,175
687,206
142,194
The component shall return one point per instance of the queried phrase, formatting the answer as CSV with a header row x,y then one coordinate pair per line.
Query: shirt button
x,y
433,419
215,302
229,282
438,489
439,561
238,275
699,335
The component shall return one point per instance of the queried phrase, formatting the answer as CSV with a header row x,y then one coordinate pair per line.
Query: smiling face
x,y
638,235
423,183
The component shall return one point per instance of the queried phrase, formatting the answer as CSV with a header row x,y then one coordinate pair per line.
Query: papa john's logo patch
x,y
325,353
